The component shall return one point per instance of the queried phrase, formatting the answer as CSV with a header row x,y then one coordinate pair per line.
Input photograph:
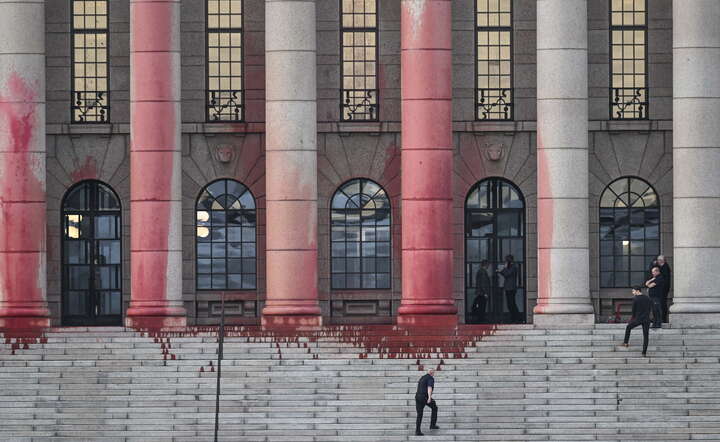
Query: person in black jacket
x,y
640,316
423,398
656,286
666,273
510,275
482,291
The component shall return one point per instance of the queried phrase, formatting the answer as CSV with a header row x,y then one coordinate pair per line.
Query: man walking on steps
x,y
423,398
640,316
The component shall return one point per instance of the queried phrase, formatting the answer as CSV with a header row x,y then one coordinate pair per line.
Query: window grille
x,y
225,97
493,33
359,34
90,75
628,60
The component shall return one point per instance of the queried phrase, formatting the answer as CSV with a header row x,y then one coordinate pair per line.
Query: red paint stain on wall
x,y
22,204
87,171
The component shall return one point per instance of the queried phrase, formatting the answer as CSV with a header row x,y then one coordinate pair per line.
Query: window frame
x,y
476,30
360,242
627,269
73,91
230,30
225,242
645,106
376,30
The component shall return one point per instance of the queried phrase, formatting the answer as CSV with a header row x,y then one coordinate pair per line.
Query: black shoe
x,y
418,433
644,355
434,427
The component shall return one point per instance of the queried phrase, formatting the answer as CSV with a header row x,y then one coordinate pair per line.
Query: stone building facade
x,y
293,150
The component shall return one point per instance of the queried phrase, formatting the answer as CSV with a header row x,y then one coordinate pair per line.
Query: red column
x,y
155,153
22,166
427,158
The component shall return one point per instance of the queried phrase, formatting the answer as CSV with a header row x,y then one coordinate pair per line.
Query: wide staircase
x,y
357,383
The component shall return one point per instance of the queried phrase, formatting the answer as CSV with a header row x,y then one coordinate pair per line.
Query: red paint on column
x,y
87,171
427,156
154,161
545,228
23,303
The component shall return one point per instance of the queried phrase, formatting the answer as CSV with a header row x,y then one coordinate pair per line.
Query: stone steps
x,y
357,384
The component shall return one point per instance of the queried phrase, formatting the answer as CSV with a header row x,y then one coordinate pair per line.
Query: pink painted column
x,y
427,158
23,218
562,164
155,154
291,164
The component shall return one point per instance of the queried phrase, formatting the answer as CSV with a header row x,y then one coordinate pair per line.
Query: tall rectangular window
x,y
359,34
90,79
628,60
224,60
493,33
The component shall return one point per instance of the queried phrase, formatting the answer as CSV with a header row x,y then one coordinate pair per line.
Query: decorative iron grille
x,y
90,75
225,96
494,88
359,34
628,60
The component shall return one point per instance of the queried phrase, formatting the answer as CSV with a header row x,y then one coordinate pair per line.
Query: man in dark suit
x,y
656,286
665,271
423,398
482,291
640,316
510,275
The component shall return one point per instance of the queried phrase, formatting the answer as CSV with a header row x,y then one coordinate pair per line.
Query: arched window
x,y
629,232
91,255
360,223
225,238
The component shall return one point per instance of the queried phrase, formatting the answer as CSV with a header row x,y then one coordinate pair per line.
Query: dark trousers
x,y
657,311
664,306
478,308
420,407
646,331
512,307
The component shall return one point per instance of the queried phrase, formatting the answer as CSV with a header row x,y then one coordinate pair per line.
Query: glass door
x,y
91,256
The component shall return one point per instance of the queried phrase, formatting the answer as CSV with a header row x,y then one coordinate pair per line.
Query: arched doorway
x,y
91,255
494,228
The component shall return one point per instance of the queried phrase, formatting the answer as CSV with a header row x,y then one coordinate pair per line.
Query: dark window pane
x,y
637,278
79,277
248,250
234,266
234,234
606,248
217,234
353,281
338,281
382,265
218,281
248,265
248,234
338,265
234,281
76,252
338,249
383,281
218,266
621,263
234,250
204,266
218,250
77,303
110,303
106,199
652,247
606,263
249,281
203,282
203,250
383,249
368,281
77,199
352,265
622,279
638,263
352,249
368,265
606,279
109,252
637,248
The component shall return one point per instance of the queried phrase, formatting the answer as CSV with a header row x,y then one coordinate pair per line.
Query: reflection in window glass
x,y
225,253
629,232
360,245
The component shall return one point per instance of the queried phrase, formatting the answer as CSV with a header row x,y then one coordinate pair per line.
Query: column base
x,y
691,320
292,322
155,317
24,323
409,320
549,320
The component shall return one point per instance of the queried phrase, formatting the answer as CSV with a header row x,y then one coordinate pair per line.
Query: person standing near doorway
x,y
656,286
482,292
665,271
510,276
423,398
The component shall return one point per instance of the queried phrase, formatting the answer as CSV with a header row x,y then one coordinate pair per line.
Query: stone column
x,y
291,164
427,163
696,158
23,294
155,172
562,164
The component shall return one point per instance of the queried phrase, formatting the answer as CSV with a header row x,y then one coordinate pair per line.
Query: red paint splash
x,y
87,171
22,203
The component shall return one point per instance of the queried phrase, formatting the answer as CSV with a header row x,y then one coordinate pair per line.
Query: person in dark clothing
x,y
482,292
656,286
510,275
423,398
640,316
666,272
